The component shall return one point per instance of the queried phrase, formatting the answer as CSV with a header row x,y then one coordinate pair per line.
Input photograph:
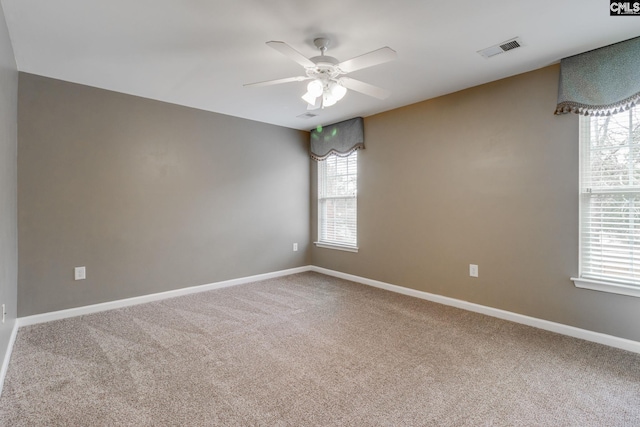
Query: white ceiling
x,y
199,53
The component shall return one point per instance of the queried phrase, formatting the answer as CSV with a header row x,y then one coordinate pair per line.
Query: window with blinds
x,y
610,198
337,201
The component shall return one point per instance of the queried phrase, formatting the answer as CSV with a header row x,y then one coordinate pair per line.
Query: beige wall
x,y
8,185
149,196
485,176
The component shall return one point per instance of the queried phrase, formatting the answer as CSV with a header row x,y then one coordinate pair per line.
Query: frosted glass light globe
x,y
328,100
315,88
338,91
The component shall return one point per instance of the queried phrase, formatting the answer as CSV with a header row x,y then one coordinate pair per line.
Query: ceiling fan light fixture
x,y
315,88
337,90
328,99
309,98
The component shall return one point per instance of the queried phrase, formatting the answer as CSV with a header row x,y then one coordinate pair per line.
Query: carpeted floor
x,y
311,350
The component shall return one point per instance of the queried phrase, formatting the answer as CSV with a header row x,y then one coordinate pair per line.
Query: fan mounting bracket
x,y
322,44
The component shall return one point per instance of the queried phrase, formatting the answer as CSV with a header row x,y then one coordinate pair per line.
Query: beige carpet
x,y
311,350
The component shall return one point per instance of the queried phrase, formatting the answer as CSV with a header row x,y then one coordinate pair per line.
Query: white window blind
x,y
337,200
610,198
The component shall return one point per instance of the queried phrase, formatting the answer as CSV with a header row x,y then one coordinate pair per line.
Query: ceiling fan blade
x,y
380,56
287,50
365,88
278,81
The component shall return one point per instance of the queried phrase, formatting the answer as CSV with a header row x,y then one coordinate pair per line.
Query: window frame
x,y
321,196
602,283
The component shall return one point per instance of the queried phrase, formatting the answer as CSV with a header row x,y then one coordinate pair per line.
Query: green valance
x,y
601,82
340,139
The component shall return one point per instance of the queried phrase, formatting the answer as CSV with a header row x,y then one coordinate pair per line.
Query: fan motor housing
x,y
326,66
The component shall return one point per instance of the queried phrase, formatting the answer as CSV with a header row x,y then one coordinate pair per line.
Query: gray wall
x,y
149,196
152,197
8,185
485,176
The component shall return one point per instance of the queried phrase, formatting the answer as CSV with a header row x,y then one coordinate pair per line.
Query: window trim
x,y
332,244
346,248
601,285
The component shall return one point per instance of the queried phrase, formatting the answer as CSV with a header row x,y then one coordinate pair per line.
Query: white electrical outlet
x,y
80,273
295,247
473,270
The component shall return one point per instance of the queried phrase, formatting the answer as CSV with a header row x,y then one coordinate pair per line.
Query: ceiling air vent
x,y
307,116
501,48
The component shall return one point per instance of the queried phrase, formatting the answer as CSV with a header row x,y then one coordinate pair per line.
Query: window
x,y
337,202
610,203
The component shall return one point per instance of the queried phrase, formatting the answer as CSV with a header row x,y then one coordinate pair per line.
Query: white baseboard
x,y
587,335
612,341
95,308
7,355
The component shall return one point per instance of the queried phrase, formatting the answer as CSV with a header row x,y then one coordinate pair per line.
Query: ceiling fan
x,y
329,80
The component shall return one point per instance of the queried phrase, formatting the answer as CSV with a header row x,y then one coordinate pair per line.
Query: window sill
x,y
335,246
602,286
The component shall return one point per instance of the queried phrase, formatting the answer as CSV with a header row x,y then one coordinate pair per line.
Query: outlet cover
x,y
80,273
473,270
